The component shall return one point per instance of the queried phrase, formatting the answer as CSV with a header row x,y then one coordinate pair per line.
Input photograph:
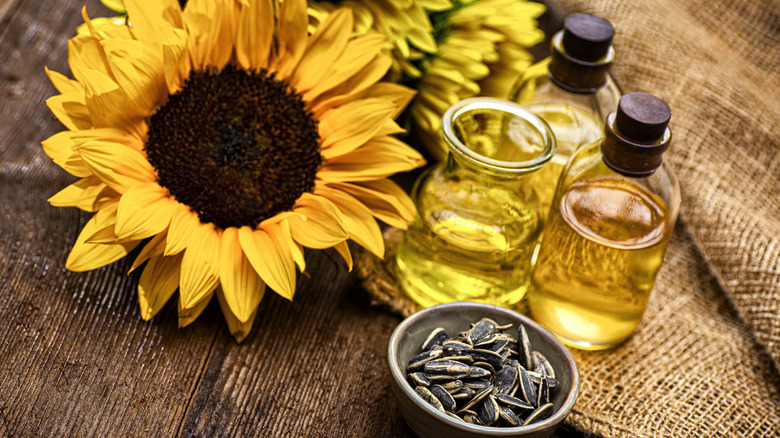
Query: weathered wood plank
x,y
313,367
76,359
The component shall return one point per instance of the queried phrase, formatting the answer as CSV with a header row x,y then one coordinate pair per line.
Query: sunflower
x,y
482,51
406,24
222,140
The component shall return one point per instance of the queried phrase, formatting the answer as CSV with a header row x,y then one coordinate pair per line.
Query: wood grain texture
x,y
76,358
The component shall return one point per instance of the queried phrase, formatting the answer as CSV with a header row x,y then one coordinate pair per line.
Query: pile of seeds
x,y
484,376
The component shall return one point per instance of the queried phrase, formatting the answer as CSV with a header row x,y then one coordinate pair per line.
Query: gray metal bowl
x,y
425,420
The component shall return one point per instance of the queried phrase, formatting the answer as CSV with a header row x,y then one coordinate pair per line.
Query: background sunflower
x,y
222,139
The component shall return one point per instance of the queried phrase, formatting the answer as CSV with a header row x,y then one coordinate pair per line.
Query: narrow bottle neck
x,y
576,75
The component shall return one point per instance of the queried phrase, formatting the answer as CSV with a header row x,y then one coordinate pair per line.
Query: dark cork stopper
x,y
637,135
587,37
642,116
582,54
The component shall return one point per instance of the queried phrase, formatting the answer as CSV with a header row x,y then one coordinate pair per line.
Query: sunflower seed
x,y
513,402
444,397
478,397
498,345
542,365
476,383
464,393
445,369
452,385
526,388
437,336
524,348
505,380
541,413
476,372
429,397
543,393
418,379
488,411
453,346
491,357
483,329
423,358
509,416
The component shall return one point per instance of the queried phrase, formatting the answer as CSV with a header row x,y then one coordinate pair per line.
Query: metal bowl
x,y
425,420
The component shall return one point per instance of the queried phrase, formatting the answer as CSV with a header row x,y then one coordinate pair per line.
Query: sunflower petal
x,y
155,247
157,284
85,54
240,330
359,221
323,226
149,16
190,314
86,194
107,103
355,57
62,83
292,36
60,148
88,256
323,49
360,82
209,27
387,202
255,35
199,266
71,110
119,167
343,249
379,158
144,210
138,71
241,285
348,127
268,251
183,224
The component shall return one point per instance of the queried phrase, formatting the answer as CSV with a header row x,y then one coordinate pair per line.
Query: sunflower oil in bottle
x,y
477,223
607,233
573,93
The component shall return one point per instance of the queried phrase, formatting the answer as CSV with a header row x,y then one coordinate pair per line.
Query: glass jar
x,y
477,218
610,223
574,94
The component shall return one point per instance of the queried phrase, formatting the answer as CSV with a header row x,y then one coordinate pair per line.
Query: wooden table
x,y
77,359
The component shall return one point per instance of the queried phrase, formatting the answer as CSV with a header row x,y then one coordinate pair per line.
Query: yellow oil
x,y
598,262
478,251
572,127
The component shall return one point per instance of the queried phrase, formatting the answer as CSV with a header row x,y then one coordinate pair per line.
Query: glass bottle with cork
x,y
477,220
576,93
613,213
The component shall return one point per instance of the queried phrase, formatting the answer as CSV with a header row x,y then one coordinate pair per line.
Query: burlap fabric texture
x,y
705,360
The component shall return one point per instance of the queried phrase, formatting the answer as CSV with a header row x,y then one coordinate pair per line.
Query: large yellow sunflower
x,y
224,139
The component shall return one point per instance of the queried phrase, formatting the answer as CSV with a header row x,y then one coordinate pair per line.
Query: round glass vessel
x,y
478,219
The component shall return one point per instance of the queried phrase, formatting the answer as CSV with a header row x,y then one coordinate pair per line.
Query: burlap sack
x,y
705,360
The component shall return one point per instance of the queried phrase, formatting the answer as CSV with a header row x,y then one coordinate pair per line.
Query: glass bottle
x,y
576,94
477,221
612,216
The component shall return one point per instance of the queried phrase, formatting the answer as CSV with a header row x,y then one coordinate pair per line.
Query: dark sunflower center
x,y
237,147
